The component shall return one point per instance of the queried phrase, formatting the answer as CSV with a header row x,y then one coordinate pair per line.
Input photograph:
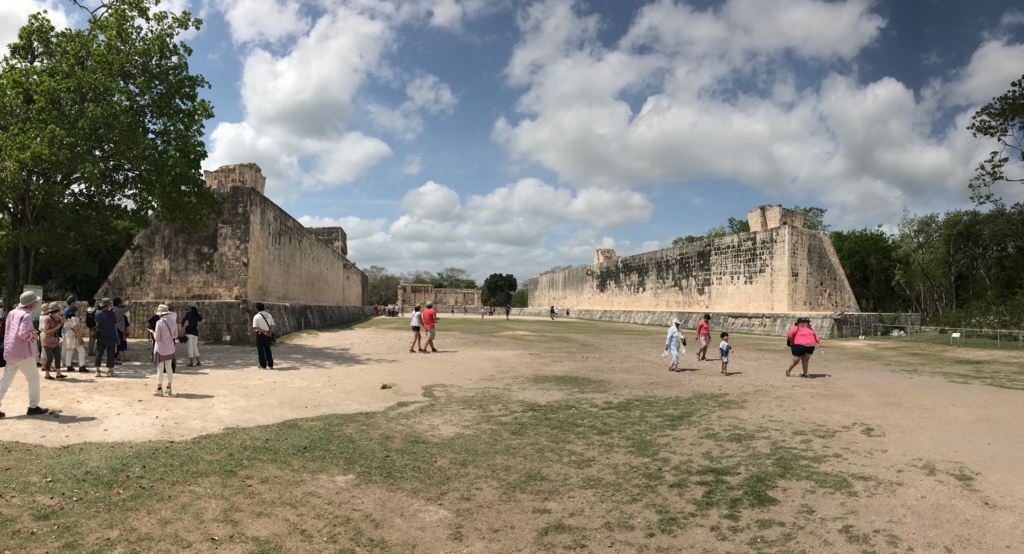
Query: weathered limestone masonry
x,y
827,325
756,282
443,299
255,252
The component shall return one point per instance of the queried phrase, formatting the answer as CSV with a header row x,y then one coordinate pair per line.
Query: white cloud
x,y
425,93
14,14
509,225
413,165
718,100
263,20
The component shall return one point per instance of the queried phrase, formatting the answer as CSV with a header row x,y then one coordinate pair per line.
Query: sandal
x,y
110,373
48,377
62,376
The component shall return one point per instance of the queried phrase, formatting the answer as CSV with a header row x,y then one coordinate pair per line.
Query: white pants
x,y
674,347
193,346
28,367
70,342
162,368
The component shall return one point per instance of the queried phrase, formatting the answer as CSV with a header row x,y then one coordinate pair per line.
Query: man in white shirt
x,y
263,324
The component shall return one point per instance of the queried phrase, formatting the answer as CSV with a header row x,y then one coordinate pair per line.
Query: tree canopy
x,y
98,125
497,289
1003,120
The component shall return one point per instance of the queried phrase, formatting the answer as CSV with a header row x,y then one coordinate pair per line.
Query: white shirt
x,y
673,336
263,321
724,349
71,324
416,322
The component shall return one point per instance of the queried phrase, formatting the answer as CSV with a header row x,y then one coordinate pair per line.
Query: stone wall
x,y
827,325
255,251
231,321
412,294
782,269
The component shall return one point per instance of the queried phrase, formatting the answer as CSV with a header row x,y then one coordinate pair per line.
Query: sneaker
x,y
426,352
2,415
787,373
48,377
433,349
158,392
118,362
83,369
37,411
167,391
62,376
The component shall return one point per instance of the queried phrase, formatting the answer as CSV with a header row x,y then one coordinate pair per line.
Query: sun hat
x,y
28,298
676,321
162,309
191,304
105,302
72,298
54,307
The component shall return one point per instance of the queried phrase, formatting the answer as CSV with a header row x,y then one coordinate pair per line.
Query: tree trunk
x,y
11,286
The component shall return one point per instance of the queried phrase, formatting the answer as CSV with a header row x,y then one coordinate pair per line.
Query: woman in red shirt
x,y
802,340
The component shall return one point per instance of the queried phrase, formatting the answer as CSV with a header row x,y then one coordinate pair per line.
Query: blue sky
x,y
515,135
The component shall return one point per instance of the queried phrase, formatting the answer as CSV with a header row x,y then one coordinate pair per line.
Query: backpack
x,y
90,318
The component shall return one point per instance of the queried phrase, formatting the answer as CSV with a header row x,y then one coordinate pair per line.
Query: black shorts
x,y
799,350
415,329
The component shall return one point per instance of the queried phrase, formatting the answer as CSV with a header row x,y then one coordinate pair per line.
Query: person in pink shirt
x,y
20,351
704,337
165,331
802,340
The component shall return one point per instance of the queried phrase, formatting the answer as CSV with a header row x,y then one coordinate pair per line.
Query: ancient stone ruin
x,y
444,299
755,282
255,252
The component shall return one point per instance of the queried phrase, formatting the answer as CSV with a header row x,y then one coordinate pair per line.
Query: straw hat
x,y
162,309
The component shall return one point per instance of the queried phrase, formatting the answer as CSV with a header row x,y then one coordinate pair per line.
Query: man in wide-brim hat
x,y
20,351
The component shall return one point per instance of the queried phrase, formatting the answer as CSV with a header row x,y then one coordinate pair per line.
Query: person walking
x,y
190,327
164,332
90,325
802,340
106,336
704,337
263,324
552,312
673,341
122,307
73,341
429,323
20,352
51,324
508,310
417,322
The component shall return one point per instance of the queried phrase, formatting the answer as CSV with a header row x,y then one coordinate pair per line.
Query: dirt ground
x,y
947,454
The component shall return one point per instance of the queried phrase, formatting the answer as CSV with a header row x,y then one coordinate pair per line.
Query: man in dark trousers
x,y
107,336
263,324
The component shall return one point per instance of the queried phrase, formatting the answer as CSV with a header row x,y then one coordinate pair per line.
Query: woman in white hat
x,y
673,341
165,331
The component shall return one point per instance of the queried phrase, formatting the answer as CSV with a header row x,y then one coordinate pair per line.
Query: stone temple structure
x,y
755,282
444,299
255,252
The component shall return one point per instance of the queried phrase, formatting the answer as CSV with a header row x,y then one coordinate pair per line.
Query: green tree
x,y
1003,120
869,258
814,218
521,299
453,278
382,285
98,125
497,289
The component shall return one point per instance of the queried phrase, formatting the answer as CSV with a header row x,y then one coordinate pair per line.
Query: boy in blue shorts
x,y
724,348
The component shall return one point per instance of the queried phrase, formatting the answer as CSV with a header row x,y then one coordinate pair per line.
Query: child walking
x,y
724,348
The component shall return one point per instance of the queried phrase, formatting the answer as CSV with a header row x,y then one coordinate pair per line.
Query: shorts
x,y
415,329
799,350
725,359
705,340
430,333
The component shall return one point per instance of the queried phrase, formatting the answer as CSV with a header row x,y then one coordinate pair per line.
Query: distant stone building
x,y
756,281
443,299
255,252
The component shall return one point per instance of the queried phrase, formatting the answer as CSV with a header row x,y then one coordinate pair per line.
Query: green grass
x,y
672,461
